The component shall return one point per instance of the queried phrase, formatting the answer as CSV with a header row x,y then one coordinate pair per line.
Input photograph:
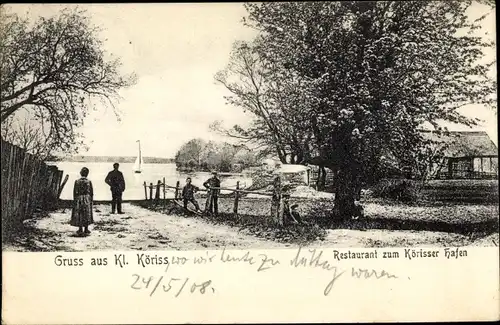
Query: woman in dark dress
x,y
83,193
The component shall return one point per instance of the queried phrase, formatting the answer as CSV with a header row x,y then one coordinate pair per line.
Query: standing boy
x,y
188,194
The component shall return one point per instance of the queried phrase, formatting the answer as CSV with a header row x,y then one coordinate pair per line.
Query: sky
x,y
175,50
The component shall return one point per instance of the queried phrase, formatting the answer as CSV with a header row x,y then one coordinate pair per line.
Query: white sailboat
x,y
138,161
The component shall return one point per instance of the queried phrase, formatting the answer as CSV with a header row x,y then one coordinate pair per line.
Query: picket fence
x,y
28,185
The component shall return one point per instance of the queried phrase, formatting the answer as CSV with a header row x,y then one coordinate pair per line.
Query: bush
x,y
293,233
403,190
261,178
257,224
296,179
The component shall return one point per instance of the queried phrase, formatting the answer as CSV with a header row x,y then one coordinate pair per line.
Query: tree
x,y
226,152
28,135
271,98
55,69
372,74
211,155
190,153
245,157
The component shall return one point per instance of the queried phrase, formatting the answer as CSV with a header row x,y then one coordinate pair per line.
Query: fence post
x,y
48,188
43,189
54,186
151,190
58,185
281,204
164,192
62,185
236,198
177,187
145,191
277,202
157,195
28,184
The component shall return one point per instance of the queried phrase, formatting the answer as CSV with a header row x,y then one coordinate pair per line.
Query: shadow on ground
x,y
110,225
33,239
472,229
318,216
319,220
474,222
258,226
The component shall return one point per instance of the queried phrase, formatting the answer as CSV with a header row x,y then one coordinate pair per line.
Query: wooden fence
x,y
277,203
28,184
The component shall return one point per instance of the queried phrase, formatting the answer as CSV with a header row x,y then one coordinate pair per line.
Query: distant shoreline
x,y
112,159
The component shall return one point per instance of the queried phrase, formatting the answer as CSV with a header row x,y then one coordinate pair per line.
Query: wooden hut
x,y
467,155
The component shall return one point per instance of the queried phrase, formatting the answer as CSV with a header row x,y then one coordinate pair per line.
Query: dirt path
x,y
137,229
142,229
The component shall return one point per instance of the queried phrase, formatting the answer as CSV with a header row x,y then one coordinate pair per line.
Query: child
x,y
291,214
295,214
359,211
188,194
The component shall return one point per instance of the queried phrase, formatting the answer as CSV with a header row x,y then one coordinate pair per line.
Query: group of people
x,y
290,213
83,195
212,185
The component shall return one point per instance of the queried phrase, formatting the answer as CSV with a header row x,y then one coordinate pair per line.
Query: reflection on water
x,y
151,173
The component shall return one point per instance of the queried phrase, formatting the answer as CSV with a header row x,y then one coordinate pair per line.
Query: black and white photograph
x,y
197,126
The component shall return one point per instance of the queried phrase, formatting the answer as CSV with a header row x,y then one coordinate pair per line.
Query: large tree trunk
x,y
321,181
345,194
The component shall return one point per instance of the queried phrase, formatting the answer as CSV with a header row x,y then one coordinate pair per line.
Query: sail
x,y
137,164
138,161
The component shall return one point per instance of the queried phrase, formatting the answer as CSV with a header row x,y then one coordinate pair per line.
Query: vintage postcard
x,y
249,162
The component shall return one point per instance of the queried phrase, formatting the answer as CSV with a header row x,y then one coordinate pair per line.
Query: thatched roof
x,y
464,143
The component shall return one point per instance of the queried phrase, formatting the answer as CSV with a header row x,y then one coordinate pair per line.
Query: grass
x,y
472,191
472,220
253,218
463,183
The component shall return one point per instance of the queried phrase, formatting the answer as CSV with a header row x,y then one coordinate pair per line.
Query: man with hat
x,y
116,184
213,185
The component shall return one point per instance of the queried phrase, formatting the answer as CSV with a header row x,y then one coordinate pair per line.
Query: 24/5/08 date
x,y
174,285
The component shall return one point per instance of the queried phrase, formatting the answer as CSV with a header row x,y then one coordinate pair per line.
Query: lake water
x,y
151,173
